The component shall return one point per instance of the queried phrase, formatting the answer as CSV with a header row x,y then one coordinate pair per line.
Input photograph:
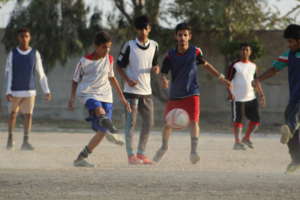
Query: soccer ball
x,y
177,118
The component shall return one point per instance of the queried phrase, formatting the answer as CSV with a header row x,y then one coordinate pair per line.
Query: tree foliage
x,y
59,28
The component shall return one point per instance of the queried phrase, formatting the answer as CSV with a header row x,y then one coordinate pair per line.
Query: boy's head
x,y
24,37
183,34
245,51
102,43
292,34
142,26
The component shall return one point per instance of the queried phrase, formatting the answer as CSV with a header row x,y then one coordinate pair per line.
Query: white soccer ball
x,y
177,118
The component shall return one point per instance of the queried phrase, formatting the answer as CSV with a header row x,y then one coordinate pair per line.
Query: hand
x,y
262,101
48,97
231,97
255,83
131,83
127,105
227,83
165,83
71,104
156,69
9,97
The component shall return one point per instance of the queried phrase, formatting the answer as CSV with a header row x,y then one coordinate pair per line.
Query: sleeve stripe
x,y
282,60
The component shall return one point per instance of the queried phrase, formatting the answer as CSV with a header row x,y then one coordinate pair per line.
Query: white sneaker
x,y
83,163
114,138
194,158
286,134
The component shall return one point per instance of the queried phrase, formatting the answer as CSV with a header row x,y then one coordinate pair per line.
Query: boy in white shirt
x,y
92,82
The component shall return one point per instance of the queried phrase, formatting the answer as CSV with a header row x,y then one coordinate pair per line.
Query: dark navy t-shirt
x,y
184,70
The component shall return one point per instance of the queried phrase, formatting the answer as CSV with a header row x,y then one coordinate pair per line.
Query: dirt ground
x,y
222,174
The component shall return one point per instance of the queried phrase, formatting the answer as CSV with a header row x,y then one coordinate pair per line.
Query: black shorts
x,y
247,108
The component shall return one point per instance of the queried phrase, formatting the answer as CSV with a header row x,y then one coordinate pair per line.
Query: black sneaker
x,y
239,146
159,154
107,123
248,143
10,144
194,158
27,147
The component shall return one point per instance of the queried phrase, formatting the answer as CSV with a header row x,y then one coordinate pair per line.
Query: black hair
x,y
23,30
245,44
102,38
141,22
183,26
292,32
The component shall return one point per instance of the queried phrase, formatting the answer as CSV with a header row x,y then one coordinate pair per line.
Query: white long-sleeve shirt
x,y
40,71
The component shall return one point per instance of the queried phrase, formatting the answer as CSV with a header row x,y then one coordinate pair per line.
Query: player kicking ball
x,y
291,60
92,82
183,62
243,99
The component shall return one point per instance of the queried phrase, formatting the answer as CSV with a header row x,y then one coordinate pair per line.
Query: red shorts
x,y
190,104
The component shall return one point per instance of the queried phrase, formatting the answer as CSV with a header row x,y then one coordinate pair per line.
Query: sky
x,y
283,6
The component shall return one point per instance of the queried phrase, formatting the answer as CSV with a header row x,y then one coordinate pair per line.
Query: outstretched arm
x,y
213,71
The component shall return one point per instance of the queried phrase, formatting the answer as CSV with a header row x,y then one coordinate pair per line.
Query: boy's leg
x,y
145,108
26,107
130,123
195,132
93,143
237,117
13,110
294,150
291,122
164,147
252,113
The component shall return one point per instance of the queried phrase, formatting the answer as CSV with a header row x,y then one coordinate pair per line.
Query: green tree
x,y
228,20
59,28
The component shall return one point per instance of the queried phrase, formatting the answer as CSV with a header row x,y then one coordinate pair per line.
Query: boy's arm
x,y
8,76
155,67
43,78
73,95
166,66
229,76
213,71
262,100
115,83
124,76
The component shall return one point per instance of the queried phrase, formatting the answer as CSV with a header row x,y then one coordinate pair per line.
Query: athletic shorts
x,y
247,108
92,104
23,104
190,104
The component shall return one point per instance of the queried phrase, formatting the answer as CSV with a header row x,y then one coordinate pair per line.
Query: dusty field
x,y
222,174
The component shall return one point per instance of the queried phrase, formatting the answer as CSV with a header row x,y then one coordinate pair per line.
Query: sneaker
x,y
107,123
248,143
194,158
159,154
144,160
292,167
114,138
133,160
27,147
82,163
239,146
10,144
286,134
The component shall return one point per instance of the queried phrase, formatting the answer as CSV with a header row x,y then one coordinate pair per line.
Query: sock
x,y
252,127
237,130
165,144
10,136
194,144
84,153
25,139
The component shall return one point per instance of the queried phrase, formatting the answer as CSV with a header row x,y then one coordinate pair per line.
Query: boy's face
x,y
24,39
183,37
144,32
293,44
103,49
246,52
